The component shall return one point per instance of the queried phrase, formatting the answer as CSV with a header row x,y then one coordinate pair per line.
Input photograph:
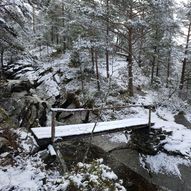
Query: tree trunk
x,y
182,79
157,62
107,63
154,62
1,66
141,41
63,24
82,81
92,58
140,53
130,55
183,74
97,71
52,35
57,37
168,68
33,18
130,64
107,40
153,65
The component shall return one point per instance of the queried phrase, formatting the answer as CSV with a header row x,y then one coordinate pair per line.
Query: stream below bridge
x,y
125,162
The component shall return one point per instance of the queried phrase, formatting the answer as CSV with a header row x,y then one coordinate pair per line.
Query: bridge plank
x,y
86,128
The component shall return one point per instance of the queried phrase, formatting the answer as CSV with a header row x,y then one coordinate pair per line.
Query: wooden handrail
x,y
99,108
54,110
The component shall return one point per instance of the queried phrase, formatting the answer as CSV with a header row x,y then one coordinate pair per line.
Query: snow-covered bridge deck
x,y
86,128
69,131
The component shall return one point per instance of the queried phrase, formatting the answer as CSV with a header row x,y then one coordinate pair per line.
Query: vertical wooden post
x,y
149,118
53,127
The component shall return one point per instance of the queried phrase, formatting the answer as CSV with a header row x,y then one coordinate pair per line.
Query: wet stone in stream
x,y
74,152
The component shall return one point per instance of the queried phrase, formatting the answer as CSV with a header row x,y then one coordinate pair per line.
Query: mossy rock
x,y
5,120
4,90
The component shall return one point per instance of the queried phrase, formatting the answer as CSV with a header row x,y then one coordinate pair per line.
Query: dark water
x,y
73,152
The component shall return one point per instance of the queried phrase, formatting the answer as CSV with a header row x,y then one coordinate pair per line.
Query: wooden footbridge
x,y
85,129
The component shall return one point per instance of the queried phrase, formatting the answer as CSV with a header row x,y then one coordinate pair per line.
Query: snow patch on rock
x,y
165,164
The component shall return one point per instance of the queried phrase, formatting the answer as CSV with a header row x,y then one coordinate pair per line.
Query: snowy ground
x,y
28,173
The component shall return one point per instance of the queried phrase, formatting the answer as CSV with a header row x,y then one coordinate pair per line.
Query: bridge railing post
x,y
53,127
149,122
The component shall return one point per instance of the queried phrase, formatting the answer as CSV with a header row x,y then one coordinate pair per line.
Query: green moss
x,y
5,120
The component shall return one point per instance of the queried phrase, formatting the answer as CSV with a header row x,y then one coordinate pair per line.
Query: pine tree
x,y
187,24
128,26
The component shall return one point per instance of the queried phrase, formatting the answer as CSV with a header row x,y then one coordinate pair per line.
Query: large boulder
x,y
8,140
20,85
180,118
4,145
4,89
33,113
24,111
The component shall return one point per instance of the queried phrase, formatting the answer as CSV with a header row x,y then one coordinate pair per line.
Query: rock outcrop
x,y
146,142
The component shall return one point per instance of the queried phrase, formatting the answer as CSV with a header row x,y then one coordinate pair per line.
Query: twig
x,y
89,143
61,161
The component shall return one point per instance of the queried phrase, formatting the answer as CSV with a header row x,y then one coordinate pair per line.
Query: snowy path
x,y
85,129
